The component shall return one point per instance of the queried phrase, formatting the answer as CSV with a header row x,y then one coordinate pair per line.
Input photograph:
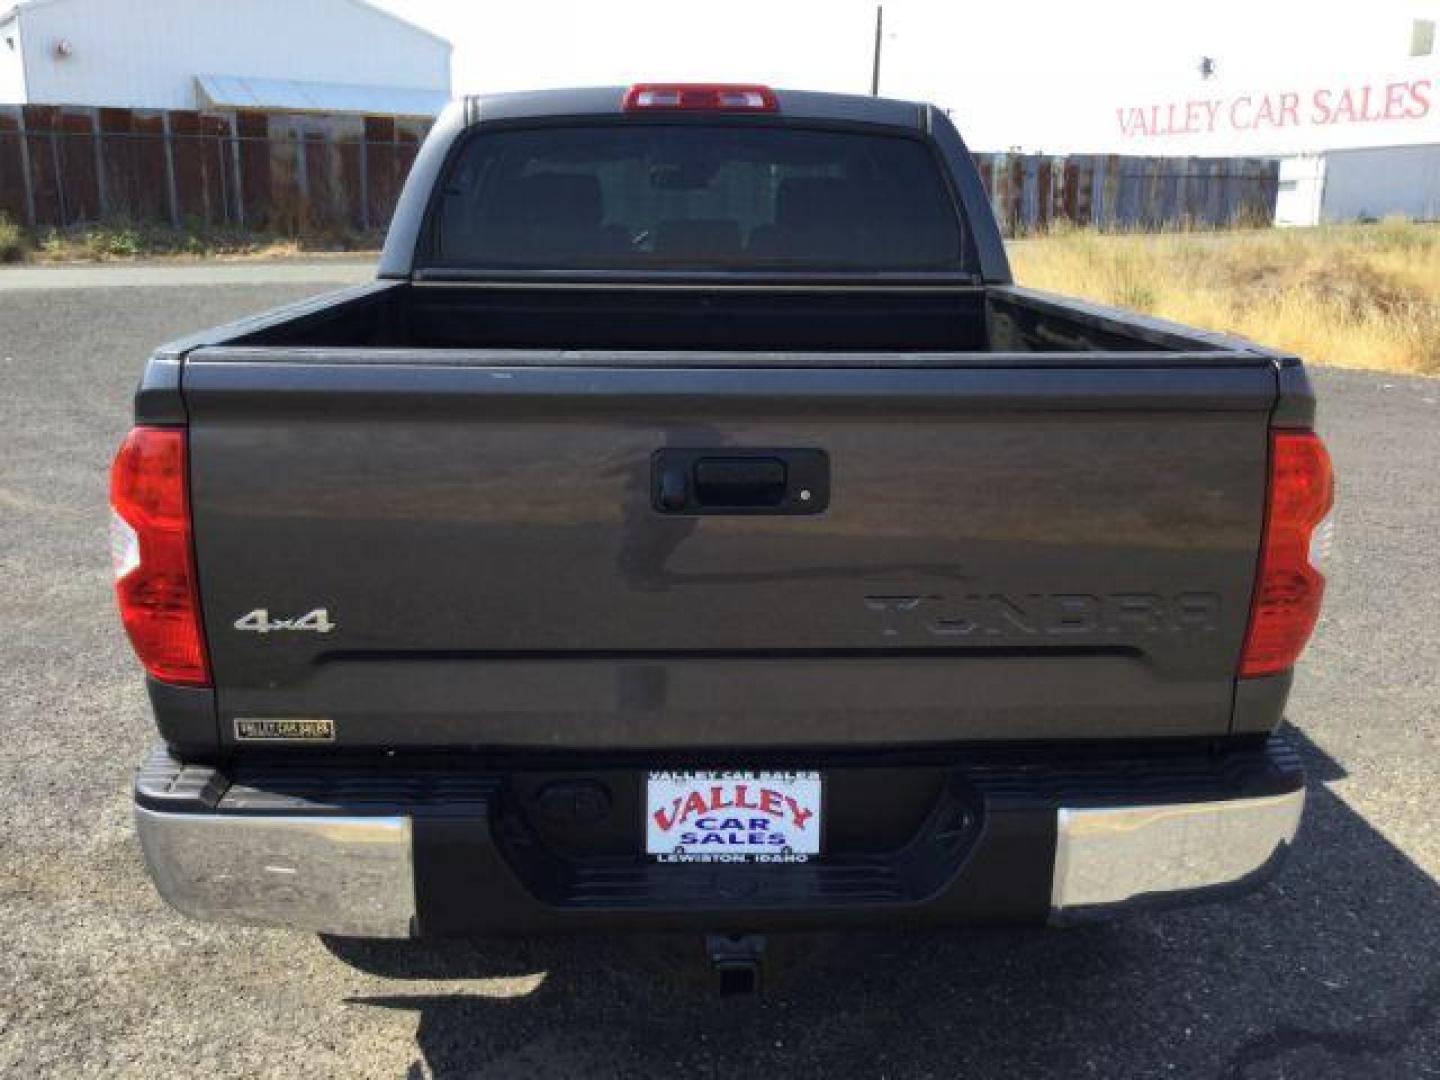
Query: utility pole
x,y
875,69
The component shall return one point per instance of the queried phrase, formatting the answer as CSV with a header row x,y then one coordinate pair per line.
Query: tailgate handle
x,y
740,481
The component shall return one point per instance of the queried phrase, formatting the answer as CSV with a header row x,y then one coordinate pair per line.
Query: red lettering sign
x,y
1362,103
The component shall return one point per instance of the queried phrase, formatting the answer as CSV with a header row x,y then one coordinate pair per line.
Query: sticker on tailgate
x,y
724,816
284,729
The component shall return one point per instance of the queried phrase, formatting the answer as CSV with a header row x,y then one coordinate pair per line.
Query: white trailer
x,y
1382,182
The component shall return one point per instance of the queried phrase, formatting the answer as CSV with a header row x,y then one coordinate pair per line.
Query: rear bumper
x,y
1112,857
351,876
372,851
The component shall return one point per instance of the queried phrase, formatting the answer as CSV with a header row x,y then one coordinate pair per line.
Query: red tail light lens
x,y
150,545
702,97
1289,588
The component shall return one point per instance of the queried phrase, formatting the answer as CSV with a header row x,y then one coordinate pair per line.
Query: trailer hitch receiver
x,y
737,960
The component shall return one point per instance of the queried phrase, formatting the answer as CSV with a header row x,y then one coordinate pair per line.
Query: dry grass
x,y
120,240
12,240
1363,296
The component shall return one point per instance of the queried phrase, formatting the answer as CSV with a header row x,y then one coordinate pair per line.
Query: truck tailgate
x,y
1008,552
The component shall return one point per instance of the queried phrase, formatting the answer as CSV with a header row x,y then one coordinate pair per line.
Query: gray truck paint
x,y
1020,553
1028,542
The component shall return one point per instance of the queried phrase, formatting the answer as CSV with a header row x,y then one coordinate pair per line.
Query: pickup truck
x,y
694,528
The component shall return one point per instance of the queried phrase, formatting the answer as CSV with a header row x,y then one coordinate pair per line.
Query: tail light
x,y
1289,587
150,546
701,97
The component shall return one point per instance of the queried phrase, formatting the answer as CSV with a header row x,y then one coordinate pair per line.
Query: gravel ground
x,y
1332,971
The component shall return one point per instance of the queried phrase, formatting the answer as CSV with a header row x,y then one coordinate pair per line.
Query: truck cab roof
x,y
609,101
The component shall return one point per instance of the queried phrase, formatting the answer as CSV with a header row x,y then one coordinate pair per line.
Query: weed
x,y
12,240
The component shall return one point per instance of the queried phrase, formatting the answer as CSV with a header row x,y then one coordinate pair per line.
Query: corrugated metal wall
x,y
297,173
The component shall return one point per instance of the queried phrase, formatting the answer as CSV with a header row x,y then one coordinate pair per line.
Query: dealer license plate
x,y
729,816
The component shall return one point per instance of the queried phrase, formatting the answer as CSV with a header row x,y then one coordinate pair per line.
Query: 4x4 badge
x,y
259,620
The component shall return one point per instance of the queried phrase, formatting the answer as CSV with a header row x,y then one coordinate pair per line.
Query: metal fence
x,y
63,167
192,169
1033,193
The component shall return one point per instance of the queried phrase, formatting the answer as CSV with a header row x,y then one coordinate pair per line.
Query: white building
x,y
329,56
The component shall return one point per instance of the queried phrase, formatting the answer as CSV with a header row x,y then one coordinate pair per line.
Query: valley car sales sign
x,y
733,816
1305,116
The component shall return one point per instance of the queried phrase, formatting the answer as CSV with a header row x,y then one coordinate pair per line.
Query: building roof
x,y
402,21
15,7
295,95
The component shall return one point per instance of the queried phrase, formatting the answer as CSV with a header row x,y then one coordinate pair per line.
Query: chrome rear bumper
x,y
350,876
1126,856
355,875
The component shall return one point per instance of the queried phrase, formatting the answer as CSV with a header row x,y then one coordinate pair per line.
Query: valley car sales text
x,y
733,817
1364,103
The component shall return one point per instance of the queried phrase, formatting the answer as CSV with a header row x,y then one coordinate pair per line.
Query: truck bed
x,y
911,320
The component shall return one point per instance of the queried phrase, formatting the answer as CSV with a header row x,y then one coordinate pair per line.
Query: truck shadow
x,y
1331,970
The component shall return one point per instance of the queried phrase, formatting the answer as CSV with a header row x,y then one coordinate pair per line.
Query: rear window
x,y
695,197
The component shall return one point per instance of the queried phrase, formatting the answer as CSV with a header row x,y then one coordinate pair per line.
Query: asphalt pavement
x,y
1333,970
332,271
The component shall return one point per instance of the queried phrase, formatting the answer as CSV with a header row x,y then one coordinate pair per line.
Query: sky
x,y
1043,75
